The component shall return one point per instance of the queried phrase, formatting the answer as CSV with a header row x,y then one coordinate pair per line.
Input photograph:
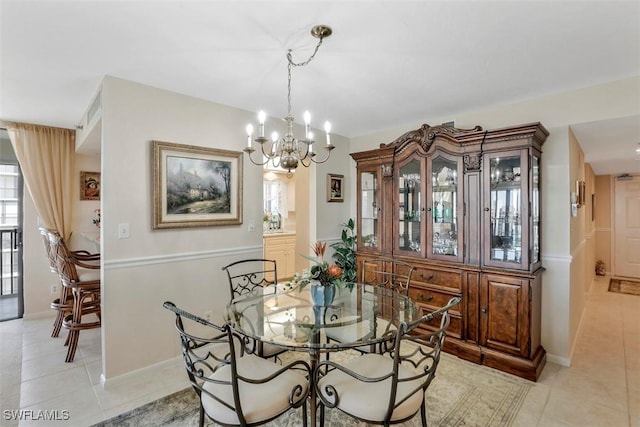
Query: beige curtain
x,y
46,157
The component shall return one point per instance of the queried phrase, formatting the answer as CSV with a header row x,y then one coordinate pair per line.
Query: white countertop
x,y
278,233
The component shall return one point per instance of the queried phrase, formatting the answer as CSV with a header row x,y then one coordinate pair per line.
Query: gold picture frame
x,y
335,188
90,185
195,186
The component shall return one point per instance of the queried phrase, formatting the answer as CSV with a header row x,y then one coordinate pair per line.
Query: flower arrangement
x,y
96,218
325,273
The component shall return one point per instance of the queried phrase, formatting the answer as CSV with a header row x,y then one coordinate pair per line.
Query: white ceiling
x,y
386,64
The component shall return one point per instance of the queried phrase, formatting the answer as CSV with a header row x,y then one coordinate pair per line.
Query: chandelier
x,y
288,152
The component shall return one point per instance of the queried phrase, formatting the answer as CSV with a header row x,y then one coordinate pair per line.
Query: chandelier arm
x,y
271,154
249,152
308,162
328,148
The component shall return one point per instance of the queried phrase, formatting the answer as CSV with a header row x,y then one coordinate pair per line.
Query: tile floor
x,y
602,388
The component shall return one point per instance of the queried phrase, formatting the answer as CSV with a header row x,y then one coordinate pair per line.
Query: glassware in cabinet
x,y
410,209
444,208
507,184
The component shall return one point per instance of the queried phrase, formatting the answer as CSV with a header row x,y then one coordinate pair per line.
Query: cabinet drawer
x,y
273,242
454,329
429,297
430,276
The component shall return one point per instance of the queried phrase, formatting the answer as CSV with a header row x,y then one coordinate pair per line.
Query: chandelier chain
x,y
298,64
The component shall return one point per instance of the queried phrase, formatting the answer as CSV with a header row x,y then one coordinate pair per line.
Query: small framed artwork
x,y
335,188
195,186
89,185
580,192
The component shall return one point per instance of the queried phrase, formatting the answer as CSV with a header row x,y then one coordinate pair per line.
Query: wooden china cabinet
x,y
463,207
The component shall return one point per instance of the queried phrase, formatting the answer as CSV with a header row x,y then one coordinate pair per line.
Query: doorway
x,y
11,200
627,226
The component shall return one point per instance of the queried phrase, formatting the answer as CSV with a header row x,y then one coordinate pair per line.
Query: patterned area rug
x,y
624,286
462,394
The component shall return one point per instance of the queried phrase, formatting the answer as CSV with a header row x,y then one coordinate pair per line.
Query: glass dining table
x,y
365,316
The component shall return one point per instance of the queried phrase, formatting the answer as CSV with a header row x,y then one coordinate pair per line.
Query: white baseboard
x,y
146,371
562,361
39,315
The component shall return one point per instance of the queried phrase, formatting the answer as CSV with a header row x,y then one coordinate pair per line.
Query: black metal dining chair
x,y
246,276
386,388
237,389
382,276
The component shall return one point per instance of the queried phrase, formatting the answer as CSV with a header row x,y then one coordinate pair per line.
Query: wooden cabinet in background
x,y
463,207
282,249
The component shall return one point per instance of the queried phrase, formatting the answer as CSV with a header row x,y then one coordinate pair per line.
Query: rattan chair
x,y
234,390
380,276
64,303
86,293
386,388
246,276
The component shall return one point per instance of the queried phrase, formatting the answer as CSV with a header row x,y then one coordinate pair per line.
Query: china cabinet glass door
x,y
507,185
444,208
369,233
535,210
410,208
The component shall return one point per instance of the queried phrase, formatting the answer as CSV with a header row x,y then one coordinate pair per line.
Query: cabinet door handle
x,y
429,277
421,297
486,209
429,209
484,310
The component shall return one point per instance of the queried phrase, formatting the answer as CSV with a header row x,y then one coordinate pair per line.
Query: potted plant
x,y
345,253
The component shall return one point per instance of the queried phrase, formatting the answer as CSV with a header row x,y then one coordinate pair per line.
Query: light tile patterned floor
x,y
602,388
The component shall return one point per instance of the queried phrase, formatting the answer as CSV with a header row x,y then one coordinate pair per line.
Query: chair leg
x,y
304,415
57,324
423,413
72,321
73,344
201,422
59,305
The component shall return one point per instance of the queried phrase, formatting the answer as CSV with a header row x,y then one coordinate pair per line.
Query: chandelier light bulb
x,y
249,133
327,129
307,124
274,136
261,117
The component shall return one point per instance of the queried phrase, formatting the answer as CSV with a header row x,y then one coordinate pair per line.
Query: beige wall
x,y
182,265
603,224
565,253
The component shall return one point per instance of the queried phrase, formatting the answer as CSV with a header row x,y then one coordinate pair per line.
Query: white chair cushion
x,y
354,333
87,274
269,350
259,401
369,401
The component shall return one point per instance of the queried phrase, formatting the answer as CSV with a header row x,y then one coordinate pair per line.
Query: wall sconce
x,y
578,197
573,196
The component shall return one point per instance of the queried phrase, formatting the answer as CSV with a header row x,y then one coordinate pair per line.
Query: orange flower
x,y
334,271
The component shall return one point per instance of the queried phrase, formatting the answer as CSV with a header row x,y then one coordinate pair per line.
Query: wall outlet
x,y
54,289
208,316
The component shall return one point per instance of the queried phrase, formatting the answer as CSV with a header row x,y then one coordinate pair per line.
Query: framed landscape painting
x,y
196,186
